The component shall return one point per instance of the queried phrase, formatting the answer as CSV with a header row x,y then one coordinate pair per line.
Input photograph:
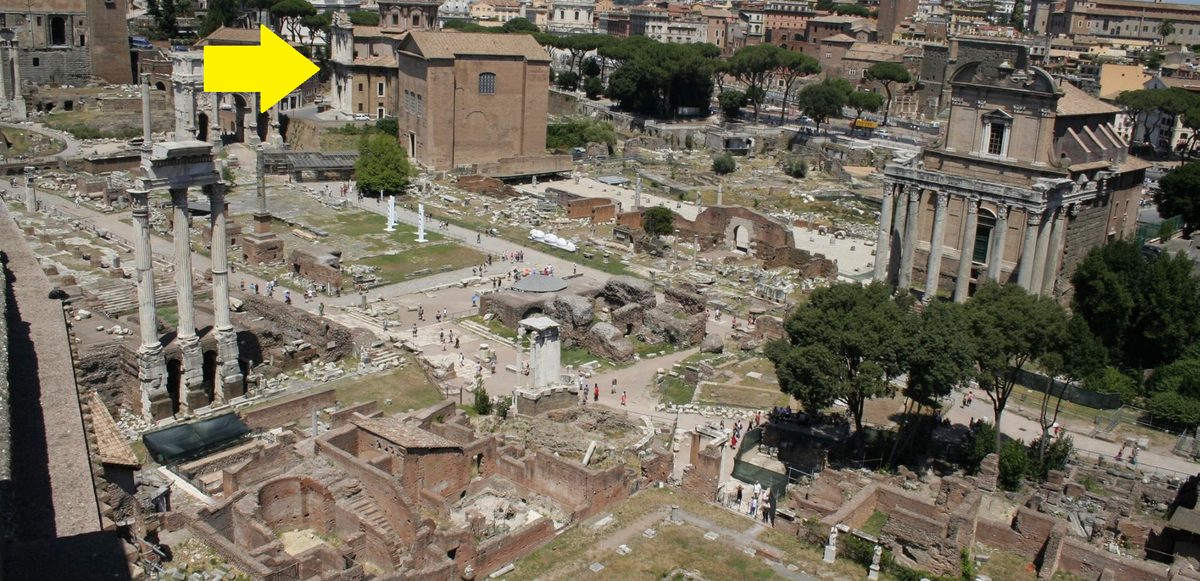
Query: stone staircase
x,y
383,356
117,300
483,331
369,512
365,319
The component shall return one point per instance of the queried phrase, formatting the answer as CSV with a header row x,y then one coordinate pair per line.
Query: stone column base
x,y
191,384
152,374
229,382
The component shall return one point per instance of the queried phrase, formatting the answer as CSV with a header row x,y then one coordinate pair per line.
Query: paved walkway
x,y
74,146
52,475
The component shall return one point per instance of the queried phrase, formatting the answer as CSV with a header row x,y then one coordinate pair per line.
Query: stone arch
x,y
741,238
202,126
241,104
160,86
532,312
174,381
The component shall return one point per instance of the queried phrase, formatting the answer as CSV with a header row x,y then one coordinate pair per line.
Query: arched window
x,y
487,83
58,31
576,15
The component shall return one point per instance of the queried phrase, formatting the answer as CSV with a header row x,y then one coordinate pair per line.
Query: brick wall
x,y
55,66
383,490
277,414
497,552
109,41
342,417
292,502
583,491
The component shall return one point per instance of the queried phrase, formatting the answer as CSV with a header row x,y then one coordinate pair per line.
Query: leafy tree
x,y
1141,104
732,103
863,101
844,344
825,5
483,402
289,12
851,10
793,65
1112,380
1014,464
364,18
796,167
593,87
568,81
166,17
1046,455
888,74
753,65
1175,407
580,131
388,126
519,25
1181,376
724,164
657,79
1165,28
1153,59
220,13
317,24
658,221
591,67
1191,120
1010,329
382,164
1179,194
1145,311
1078,355
1017,18
821,101
580,45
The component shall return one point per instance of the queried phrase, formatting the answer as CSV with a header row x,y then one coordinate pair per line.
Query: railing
x,y
1138,467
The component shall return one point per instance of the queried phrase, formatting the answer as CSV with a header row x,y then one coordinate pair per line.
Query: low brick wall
x,y
276,414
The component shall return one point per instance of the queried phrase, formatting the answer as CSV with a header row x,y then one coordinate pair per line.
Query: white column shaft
x,y
999,236
183,266
220,258
144,261
933,269
883,240
1054,253
909,251
1028,249
1039,259
962,280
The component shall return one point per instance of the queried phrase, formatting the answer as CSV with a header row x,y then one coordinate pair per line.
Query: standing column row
x,y
884,238
228,378
933,268
152,366
191,388
962,279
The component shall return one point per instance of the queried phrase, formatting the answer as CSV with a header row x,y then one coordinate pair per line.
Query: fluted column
x,y
250,122
884,237
30,191
908,252
214,124
1039,259
228,378
152,366
999,236
1054,252
1028,249
897,235
962,280
933,268
191,392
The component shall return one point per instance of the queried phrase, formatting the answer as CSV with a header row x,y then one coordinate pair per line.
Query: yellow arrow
x,y
273,69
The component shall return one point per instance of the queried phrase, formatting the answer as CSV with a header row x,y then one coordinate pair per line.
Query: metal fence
x,y
1148,231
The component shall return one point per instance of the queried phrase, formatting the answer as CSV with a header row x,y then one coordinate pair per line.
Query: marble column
x,y
999,236
250,121
1039,259
191,389
909,251
962,281
152,366
884,238
1054,253
228,380
1028,249
214,124
933,269
30,191
897,235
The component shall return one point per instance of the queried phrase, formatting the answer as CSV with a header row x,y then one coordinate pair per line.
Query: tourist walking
x,y
622,398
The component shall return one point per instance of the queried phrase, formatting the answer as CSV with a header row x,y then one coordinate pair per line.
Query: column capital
x,y
1034,218
1001,212
942,199
972,206
914,196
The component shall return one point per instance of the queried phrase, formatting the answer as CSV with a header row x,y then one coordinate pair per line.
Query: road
x,y
74,146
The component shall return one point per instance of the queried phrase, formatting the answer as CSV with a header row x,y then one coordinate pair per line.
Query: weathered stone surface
x,y
624,290
629,318
606,341
573,313
713,343
669,323
687,298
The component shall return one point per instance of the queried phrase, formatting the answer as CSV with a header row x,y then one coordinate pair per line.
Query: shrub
x,y
568,81
593,87
1014,464
724,164
731,103
502,406
1111,380
796,167
982,443
1058,452
688,142
483,402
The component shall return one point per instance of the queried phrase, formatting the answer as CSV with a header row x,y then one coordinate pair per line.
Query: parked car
x,y
362,117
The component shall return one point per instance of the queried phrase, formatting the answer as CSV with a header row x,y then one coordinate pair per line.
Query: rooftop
x,y
450,45
403,433
537,283
110,445
538,323
1076,102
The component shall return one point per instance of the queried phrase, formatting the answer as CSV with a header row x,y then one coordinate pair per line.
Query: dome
x,y
537,283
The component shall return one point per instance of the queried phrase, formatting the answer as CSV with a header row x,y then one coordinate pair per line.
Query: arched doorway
x,y
202,127
160,86
741,239
174,380
240,108
58,31
264,125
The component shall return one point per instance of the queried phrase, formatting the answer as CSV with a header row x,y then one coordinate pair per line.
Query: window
x,y
487,83
983,236
395,20
379,90
82,40
576,15
58,31
562,15
39,20
360,85
416,19
420,106
379,113
995,138
360,108
37,62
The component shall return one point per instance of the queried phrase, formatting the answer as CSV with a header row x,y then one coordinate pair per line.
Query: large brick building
x,y
363,58
1030,176
472,98
69,41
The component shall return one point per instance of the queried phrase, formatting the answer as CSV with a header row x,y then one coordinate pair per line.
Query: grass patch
x,y
495,326
734,396
435,257
24,142
1012,567
578,356
643,349
675,391
875,523
408,388
169,315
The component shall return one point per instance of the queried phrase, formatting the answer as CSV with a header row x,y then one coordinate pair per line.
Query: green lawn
x,y
408,389
875,523
359,223
23,142
169,315
675,391
496,327
397,267
731,395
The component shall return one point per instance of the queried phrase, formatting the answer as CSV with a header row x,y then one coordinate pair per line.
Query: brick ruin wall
x,y
276,414
536,403
583,491
380,485
343,416
282,324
